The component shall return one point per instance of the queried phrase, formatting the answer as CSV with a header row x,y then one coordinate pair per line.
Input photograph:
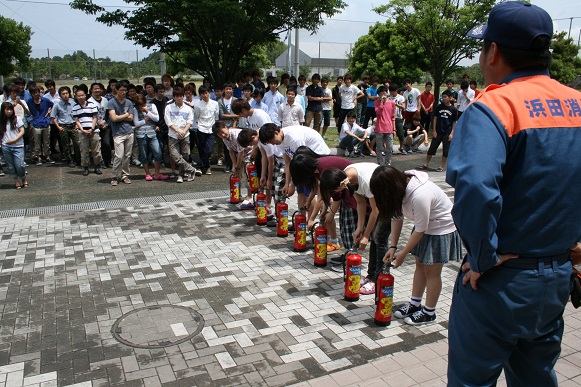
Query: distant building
x,y
322,65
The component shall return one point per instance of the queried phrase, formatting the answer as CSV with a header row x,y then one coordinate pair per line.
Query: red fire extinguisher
x,y
282,218
253,180
384,297
261,209
300,226
352,276
320,243
234,189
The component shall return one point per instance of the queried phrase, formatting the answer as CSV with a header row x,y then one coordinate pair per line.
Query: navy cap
x,y
514,25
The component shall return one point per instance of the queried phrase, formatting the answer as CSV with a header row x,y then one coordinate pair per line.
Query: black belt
x,y
531,263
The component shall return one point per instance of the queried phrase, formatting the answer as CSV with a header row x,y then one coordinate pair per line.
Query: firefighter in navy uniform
x,y
515,167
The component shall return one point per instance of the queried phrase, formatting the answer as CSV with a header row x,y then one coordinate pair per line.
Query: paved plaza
x,y
184,290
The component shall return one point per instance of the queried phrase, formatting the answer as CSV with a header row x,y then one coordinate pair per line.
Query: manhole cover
x,y
157,326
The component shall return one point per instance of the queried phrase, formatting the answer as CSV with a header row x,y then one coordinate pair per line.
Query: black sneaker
x,y
420,317
406,310
337,260
86,172
272,223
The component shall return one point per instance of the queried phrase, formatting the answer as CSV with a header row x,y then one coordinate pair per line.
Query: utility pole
x,y
95,64
49,64
297,62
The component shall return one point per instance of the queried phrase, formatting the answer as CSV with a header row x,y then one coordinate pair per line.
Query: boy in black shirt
x,y
445,118
415,134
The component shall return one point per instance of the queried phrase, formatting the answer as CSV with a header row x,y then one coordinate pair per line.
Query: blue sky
x,y
63,30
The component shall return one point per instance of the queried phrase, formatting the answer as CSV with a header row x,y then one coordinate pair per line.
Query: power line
x,y
68,5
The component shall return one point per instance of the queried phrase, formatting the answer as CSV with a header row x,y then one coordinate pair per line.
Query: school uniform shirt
x,y
256,105
298,135
10,134
206,114
53,98
411,99
289,115
348,95
231,142
364,172
464,100
178,116
63,112
273,101
85,115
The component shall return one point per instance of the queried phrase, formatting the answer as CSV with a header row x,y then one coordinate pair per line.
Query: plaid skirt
x,y
434,249
347,225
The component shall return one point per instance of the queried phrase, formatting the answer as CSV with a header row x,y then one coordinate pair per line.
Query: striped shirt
x,y
85,115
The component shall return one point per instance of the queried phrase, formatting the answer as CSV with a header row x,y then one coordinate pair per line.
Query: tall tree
x,y
386,53
212,37
14,45
566,64
440,28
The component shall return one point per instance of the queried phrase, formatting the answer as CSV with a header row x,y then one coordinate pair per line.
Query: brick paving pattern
x,y
270,317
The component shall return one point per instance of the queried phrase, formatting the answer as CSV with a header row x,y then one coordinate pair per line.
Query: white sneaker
x,y
191,176
220,162
180,179
198,172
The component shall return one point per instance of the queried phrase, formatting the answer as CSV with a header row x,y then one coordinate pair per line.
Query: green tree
x,y
386,53
212,37
440,28
14,45
566,64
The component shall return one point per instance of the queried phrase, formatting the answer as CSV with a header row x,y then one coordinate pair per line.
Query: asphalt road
x,y
52,185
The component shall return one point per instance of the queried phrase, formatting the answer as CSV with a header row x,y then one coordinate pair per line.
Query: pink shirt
x,y
385,116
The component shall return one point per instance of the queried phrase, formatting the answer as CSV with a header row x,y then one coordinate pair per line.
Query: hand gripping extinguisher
x,y
261,209
384,297
234,189
352,275
300,225
320,243
282,218
253,181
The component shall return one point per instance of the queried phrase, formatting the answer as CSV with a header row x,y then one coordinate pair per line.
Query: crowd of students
x,y
126,124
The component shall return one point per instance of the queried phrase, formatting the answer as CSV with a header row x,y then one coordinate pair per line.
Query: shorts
x,y
303,190
416,139
347,225
433,249
278,179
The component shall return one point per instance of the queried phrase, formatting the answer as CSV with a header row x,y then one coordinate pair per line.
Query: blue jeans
x,y
205,147
14,157
152,144
513,321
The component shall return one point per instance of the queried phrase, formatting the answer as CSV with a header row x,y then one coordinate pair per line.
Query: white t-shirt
x,y
398,100
464,100
364,172
328,94
411,99
348,95
370,130
299,135
11,134
257,119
